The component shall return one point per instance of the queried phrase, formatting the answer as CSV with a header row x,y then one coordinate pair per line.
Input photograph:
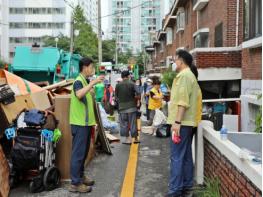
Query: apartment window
x,y
36,10
219,35
252,19
180,19
36,25
186,15
201,40
169,37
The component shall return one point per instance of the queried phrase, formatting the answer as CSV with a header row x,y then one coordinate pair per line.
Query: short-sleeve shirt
x,y
184,93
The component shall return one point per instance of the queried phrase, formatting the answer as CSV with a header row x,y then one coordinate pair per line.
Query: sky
x,y
105,21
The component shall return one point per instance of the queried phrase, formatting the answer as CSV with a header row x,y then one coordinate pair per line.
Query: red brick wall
x,y
185,38
218,11
217,59
232,182
252,63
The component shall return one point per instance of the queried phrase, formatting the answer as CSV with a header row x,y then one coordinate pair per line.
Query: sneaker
x,y
136,141
87,181
81,188
127,141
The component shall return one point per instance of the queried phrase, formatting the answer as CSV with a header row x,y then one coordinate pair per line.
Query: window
x,y
252,19
36,10
201,40
180,19
186,15
169,37
219,35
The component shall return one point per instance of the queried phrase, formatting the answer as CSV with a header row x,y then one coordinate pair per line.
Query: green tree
x,y
85,44
123,57
108,50
63,42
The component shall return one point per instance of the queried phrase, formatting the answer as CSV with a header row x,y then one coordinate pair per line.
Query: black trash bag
x,y
164,130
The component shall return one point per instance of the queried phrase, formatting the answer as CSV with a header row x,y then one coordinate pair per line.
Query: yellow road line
x,y
130,174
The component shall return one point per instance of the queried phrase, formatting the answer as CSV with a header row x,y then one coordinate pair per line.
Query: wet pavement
x,y
153,167
108,172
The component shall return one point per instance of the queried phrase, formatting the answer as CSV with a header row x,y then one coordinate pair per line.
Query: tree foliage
x,y
108,50
86,43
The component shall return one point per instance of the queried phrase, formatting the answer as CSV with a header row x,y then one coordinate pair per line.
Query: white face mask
x,y
174,66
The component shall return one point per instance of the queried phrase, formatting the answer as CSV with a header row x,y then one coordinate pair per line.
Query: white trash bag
x,y
159,118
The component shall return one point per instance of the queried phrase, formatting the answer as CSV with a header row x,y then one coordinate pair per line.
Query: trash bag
x,y
163,131
159,118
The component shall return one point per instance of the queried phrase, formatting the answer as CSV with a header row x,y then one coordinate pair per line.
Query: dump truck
x,y
44,64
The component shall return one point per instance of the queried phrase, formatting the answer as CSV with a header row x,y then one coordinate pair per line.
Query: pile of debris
x,y
17,94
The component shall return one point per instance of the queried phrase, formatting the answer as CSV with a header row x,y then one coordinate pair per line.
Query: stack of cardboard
x,y
4,174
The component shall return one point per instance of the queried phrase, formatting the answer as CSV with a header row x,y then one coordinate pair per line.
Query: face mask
x,y
174,66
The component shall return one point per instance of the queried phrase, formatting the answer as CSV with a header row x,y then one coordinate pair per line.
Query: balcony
x,y
199,4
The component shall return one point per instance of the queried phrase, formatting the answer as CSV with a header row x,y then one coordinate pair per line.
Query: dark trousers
x,y
128,121
81,136
181,167
147,112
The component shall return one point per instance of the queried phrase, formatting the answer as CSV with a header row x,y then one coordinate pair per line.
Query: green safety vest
x,y
81,114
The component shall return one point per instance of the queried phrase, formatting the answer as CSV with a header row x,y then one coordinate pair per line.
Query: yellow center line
x,y
130,174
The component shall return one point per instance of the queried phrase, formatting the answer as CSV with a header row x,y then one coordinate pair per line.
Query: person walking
x,y
147,89
125,93
155,99
182,116
82,119
108,98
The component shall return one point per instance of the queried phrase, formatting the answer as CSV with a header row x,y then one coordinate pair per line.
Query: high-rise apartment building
x,y
27,21
133,20
90,8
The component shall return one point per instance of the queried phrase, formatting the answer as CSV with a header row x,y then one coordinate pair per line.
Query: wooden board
x,y
41,100
2,81
4,174
101,132
112,138
12,110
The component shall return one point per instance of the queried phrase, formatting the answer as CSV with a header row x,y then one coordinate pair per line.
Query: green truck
x,y
41,64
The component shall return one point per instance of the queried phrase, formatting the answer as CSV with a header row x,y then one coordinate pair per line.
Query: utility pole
x,y
117,35
71,35
99,33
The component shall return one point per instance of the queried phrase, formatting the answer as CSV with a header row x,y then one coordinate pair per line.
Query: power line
x,y
121,11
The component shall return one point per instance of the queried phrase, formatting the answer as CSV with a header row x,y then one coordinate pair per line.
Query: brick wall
x,y
224,11
252,63
217,59
232,182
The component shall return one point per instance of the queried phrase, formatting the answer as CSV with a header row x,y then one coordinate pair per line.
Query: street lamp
x,y
56,40
76,32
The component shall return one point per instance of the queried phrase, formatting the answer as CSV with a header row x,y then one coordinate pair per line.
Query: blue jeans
x,y
128,121
81,136
181,167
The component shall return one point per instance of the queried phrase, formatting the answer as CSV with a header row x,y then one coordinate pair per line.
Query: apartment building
x,y
28,21
90,8
134,22
224,37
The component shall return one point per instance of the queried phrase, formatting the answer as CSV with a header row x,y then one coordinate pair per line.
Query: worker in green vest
x,y
82,119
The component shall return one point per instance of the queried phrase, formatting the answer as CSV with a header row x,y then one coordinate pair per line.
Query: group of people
x,y
184,114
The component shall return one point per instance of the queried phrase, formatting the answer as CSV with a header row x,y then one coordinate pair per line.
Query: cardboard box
x,y
63,150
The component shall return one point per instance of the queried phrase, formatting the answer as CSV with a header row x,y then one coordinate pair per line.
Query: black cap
x,y
125,74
